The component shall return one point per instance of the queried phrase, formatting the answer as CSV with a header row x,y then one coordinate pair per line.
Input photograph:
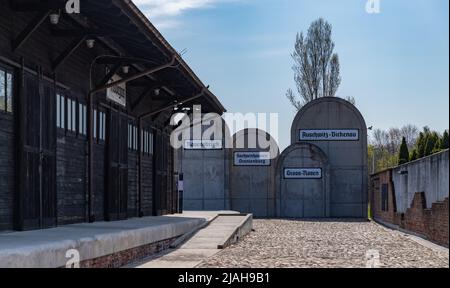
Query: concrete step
x,y
221,232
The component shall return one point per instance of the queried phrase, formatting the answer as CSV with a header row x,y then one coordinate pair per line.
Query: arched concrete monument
x,y
252,173
204,163
337,127
303,182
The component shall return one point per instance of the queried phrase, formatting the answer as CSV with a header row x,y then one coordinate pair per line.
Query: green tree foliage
x,y
413,155
403,156
431,140
387,148
444,142
437,146
421,145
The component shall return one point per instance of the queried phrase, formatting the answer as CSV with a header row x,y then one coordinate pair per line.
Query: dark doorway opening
x,y
163,193
116,193
36,199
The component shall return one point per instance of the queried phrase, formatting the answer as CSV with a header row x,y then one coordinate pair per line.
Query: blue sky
x,y
395,63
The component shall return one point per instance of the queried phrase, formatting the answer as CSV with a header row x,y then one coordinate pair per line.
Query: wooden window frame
x,y
8,71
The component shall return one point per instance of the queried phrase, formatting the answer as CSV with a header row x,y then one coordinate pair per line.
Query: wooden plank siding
x,y
71,178
71,147
7,153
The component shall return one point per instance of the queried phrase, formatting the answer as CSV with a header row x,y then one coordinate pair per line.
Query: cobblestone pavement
x,y
333,243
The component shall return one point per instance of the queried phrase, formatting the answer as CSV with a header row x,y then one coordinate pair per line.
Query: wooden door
x,y
117,166
163,192
37,155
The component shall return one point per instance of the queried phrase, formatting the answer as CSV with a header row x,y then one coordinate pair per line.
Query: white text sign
x,y
203,144
118,93
252,158
330,135
303,173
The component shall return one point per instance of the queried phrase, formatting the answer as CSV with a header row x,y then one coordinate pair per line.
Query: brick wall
x,y
431,223
377,181
129,256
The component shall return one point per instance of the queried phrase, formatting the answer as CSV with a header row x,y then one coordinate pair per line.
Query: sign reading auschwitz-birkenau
x,y
252,159
302,173
203,145
329,135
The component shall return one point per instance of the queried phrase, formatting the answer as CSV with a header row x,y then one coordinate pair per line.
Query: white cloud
x,y
162,8
162,13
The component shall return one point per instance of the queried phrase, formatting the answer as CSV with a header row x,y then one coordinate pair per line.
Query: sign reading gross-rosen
x,y
118,93
302,173
252,158
203,144
330,135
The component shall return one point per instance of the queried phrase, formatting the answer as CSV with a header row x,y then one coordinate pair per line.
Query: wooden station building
x,y
85,106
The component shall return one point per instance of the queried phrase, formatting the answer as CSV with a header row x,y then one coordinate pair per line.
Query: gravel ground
x,y
332,243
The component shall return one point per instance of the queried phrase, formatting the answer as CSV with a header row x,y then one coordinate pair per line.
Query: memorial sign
x,y
329,135
203,145
118,93
252,159
302,173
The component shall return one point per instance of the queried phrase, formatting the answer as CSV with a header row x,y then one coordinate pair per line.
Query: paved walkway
x,y
329,244
204,244
47,248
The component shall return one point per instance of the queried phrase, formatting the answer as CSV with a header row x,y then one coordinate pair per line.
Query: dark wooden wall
x,y
6,170
70,178
71,164
147,186
99,181
133,184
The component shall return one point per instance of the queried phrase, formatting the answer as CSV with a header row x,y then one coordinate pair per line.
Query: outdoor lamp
x,y
126,69
90,43
54,17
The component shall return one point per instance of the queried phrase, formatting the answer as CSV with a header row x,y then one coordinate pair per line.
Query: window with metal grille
x,y
147,142
71,115
132,137
82,129
101,126
60,111
6,90
135,138
94,124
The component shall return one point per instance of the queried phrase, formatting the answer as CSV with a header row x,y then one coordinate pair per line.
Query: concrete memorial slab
x,y
203,161
303,182
336,128
252,173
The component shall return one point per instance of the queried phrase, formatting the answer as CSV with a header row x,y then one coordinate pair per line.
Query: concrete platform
x,y
223,231
48,248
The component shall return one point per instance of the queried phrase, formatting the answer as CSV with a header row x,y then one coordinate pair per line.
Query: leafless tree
x,y
316,67
410,132
379,139
334,78
351,100
391,139
394,140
